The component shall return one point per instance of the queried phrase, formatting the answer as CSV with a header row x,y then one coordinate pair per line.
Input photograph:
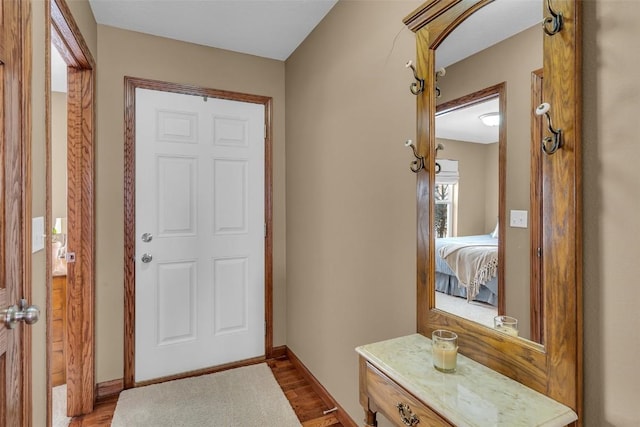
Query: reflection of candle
x,y
444,356
509,330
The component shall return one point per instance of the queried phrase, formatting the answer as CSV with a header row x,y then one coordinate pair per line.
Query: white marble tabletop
x,y
472,396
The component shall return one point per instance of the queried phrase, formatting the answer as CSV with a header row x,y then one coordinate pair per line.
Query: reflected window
x,y
443,196
446,198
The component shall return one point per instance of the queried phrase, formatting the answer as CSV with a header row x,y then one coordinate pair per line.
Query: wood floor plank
x,y
306,403
324,421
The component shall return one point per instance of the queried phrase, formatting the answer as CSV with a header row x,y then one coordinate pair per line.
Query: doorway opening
x,y
70,209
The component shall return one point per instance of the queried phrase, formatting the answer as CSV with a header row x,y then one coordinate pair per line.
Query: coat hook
x,y
440,73
439,147
555,20
418,164
556,139
417,87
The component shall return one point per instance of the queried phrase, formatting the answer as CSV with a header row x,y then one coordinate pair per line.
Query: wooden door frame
x,y
131,84
536,208
17,204
63,32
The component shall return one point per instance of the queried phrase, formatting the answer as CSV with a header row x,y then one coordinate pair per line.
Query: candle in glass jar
x,y
444,357
506,324
509,330
444,350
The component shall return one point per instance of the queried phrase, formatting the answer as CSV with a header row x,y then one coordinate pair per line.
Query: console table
x,y
397,379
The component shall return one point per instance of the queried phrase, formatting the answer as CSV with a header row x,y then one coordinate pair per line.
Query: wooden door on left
x,y
15,340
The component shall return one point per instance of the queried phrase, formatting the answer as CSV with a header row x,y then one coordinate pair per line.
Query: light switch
x,y
518,219
37,234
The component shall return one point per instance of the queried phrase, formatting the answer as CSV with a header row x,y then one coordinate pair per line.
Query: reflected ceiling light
x,y
490,119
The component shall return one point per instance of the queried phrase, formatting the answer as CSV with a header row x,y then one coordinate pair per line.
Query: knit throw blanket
x,y
473,263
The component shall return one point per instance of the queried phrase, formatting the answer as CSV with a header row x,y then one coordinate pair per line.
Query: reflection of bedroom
x,y
477,200
474,213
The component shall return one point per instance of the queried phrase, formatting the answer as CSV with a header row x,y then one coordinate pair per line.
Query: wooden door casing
x,y
200,196
131,83
80,330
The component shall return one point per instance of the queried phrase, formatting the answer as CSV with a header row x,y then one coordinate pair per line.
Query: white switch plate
x,y
37,234
518,219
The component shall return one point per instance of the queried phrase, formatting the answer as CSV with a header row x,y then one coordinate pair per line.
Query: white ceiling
x,y
267,28
464,124
493,23
275,28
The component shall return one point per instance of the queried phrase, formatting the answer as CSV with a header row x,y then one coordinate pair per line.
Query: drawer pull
x,y
408,418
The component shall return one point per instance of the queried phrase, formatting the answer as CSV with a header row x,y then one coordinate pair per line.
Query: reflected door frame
x,y
536,207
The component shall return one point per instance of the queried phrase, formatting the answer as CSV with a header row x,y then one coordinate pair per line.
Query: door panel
x,y
231,295
199,298
176,195
177,307
14,368
230,196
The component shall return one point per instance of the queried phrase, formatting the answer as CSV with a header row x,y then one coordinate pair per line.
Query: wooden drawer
x,y
385,396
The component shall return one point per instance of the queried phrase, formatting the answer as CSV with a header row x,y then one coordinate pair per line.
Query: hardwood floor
x,y
101,415
306,403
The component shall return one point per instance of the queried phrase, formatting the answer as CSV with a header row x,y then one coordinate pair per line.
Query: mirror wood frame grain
x,y
554,369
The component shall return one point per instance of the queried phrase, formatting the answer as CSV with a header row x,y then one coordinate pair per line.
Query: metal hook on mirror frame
x,y
418,164
550,144
439,147
555,20
440,73
416,87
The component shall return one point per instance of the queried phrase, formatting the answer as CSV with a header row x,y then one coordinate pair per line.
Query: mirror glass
x,y
499,44
467,210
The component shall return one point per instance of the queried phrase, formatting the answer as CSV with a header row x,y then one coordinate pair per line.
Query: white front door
x,y
199,205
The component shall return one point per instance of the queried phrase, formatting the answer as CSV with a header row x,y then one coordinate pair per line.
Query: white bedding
x,y
474,263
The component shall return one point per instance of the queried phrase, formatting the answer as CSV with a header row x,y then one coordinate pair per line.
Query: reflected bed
x,y
466,267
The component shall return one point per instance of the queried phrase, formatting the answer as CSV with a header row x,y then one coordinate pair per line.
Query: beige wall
x,y
38,268
477,186
491,166
354,279
351,218
126,53
611,205
322,272
83,15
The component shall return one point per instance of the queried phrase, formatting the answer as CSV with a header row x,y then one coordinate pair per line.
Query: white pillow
x,y
494,234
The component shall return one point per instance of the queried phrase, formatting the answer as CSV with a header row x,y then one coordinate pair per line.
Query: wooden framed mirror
x,y
553,367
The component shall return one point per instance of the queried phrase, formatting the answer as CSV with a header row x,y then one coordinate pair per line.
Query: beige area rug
x,y
59,415
247,396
